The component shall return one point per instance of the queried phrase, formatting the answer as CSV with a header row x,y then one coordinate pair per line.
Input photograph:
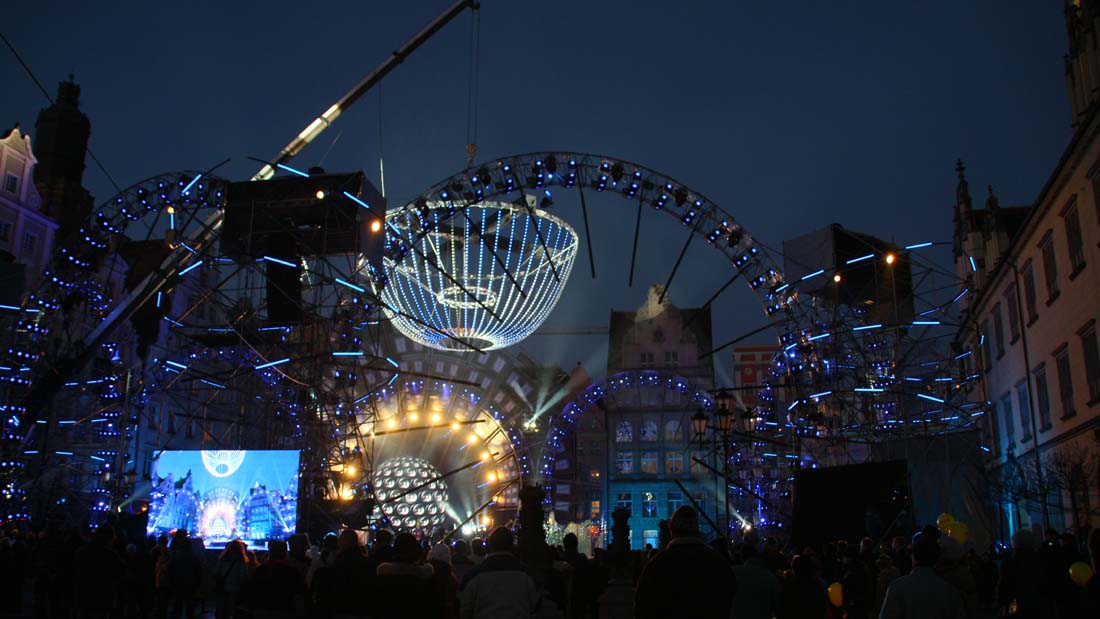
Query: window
x,y
1009,422
1029,293
1024,407
594,508
674,430
649,505
648,431
147,464
695,467
1065,382
983,344
647,359
675,501
624,462
1042,396
190,427
1050,267
11,183
674,462
154,417
672,358
5,231
649,462
594,448
1074,242
30,242
998,330
1012,304
622,501
700,500
651,537
624,432
1092,360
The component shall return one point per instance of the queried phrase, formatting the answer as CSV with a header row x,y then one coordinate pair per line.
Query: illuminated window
x,y
648,431
649,462
674,430
623,501
694,466
594,508
624,462
675,501
1006,417
674,462
624,432
649,505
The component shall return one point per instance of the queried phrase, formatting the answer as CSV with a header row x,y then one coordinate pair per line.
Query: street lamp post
x,y
719,432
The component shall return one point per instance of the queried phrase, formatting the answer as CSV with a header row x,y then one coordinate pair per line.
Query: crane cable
x,y
472,95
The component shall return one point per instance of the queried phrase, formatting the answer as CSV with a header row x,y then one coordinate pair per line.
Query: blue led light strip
x,y
273,363
860,259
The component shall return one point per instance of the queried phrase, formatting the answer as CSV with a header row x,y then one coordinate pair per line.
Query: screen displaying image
x,y
225,495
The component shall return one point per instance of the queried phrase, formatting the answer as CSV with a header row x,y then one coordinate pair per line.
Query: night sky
x,y
789,115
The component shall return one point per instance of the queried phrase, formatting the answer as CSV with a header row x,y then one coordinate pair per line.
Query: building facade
x,y
1031,312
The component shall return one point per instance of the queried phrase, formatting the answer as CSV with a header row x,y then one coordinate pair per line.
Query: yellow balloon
x,y
1080,573
836,594
943,520
957,531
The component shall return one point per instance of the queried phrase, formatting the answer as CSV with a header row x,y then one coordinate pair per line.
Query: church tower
x,y
61,142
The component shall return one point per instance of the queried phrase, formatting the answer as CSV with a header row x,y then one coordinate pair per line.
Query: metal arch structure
x,y
538,175
490,396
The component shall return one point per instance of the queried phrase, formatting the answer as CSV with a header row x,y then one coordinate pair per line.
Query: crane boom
x,y
48,385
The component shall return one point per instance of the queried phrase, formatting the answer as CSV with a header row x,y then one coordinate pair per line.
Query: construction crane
x,y
62,369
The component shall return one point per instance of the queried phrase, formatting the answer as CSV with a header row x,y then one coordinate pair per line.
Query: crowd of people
x,y
101,573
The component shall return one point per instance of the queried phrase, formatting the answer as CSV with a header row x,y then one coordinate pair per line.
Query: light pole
x,y
719,432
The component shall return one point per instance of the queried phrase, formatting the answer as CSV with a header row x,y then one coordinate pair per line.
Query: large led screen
x,y
225,495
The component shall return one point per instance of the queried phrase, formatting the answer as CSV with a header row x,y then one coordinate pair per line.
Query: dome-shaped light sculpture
x,y
480,277
411,492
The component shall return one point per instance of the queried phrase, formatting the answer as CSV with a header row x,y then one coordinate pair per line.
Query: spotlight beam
x,y
480,509
634,251
587,234
492,251
676,267
428,427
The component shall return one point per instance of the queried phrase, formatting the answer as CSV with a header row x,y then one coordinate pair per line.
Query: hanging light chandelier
x,y
480,277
